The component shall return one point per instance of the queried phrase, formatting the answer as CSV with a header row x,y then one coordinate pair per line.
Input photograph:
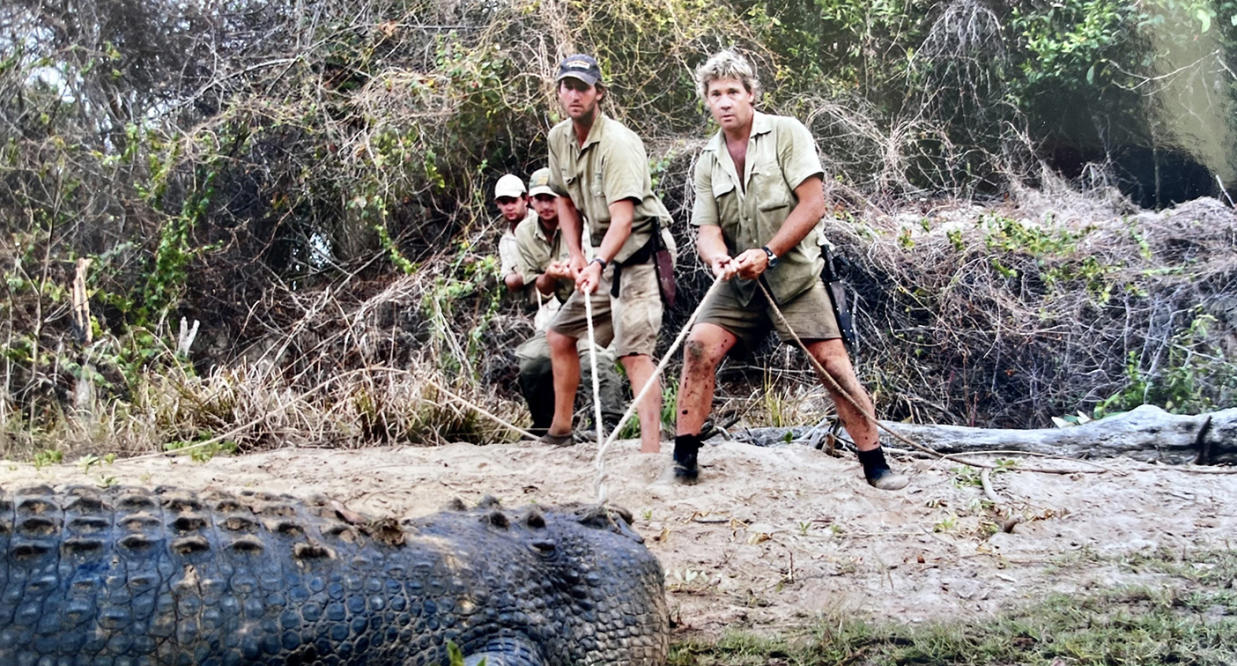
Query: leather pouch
x,y
663,261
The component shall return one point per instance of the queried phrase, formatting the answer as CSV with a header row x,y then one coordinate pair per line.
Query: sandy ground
x,y
772,538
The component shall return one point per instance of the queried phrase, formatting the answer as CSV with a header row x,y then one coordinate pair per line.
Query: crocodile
x,y
128,575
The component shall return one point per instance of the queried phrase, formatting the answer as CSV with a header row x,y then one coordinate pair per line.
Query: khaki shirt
x,y
537,251
611,166
781,154
508,246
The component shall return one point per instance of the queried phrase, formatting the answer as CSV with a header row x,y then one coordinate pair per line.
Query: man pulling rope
x,y
759,200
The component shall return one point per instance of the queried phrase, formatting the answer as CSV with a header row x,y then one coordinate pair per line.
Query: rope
x,y
592,361
833,384
871,417
599,485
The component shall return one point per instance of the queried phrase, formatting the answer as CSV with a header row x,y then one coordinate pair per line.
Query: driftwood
x,y
1146,433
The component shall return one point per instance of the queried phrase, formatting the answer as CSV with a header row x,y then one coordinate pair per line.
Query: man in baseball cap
x,y
512,201
606,203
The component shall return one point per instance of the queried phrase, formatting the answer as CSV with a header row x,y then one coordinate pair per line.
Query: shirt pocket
x,y
726,195
769,188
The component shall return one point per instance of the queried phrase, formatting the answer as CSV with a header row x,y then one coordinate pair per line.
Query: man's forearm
x,y
710,244
622,214
545,284
569,225
802,218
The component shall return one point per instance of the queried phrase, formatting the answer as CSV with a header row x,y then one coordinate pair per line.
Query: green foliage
x,y
47,457
1037,240
1191,376
203,449
1067,38
470,280
397,257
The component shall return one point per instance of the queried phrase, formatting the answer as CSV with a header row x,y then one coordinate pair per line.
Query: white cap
x,y
509,186
539,183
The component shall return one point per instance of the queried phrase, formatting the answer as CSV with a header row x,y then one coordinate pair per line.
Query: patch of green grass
x,y
1194,624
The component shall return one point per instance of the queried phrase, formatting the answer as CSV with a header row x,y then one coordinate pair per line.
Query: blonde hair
x,y
726,64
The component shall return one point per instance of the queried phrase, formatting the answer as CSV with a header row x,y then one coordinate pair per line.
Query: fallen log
x,y
1146,433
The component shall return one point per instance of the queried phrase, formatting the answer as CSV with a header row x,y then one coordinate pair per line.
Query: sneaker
x,y
887,479
565,439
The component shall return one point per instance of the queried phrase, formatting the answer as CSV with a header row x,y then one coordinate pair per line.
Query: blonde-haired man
x,y
759,199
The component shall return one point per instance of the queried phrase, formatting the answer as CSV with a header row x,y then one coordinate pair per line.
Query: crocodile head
x,y
586,589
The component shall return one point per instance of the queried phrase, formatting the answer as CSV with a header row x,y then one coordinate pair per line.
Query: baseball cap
x,y
509,185
539,183
579,66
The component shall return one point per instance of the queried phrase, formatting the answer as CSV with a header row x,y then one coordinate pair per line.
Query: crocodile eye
x,y
542,547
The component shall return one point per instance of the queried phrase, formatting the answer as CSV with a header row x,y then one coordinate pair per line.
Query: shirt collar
x,y
595,132
548,238
762,123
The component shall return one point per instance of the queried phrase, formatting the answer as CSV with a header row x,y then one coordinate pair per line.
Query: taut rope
x,y
599,481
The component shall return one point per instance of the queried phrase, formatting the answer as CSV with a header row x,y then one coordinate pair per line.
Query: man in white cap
x,y
542,266
599,169
512,201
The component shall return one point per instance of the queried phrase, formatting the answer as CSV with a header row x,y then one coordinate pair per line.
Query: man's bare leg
x,y
566,364
705,348
640,369
862,430
707,345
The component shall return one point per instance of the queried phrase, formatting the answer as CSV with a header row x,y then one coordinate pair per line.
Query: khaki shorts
x,y
809,314
632,321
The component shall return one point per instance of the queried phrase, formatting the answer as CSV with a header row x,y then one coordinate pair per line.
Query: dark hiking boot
x,y
686,448
877,471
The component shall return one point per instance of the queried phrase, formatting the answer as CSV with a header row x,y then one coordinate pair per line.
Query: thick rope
x,y
837,388
592,362
599,486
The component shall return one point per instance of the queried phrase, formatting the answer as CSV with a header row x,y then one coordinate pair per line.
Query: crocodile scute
x,y
127,575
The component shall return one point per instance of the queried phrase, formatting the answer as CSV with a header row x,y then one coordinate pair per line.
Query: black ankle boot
x,y
877,471
685,449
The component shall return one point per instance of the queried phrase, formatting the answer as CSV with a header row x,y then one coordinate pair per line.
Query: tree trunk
x,y
1146,433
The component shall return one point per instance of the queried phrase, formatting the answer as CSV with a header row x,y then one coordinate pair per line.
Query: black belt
x,y
642,256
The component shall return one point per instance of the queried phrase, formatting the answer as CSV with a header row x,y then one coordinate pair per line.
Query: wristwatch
x,y
769,253
599,260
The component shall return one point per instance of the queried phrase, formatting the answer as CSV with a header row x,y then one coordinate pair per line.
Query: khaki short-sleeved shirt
x,y
611,166
781,154
509,247
537,251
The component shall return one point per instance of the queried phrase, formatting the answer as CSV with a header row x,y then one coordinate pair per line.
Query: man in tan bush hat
x,y
606,203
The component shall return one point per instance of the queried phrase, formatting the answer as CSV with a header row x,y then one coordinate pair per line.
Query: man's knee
x,y
699,356
560,343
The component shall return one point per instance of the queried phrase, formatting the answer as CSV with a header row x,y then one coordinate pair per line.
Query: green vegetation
x,y
1177,380
1192,622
